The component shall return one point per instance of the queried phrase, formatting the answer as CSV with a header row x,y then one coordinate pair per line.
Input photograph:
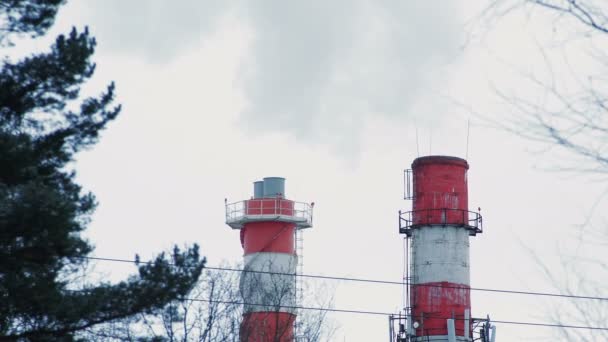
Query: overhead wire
x,y
376,281
379,313
376,313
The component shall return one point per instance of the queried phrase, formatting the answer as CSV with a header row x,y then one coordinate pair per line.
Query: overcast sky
x,y
338,98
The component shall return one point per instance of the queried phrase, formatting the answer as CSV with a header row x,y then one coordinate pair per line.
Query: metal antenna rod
x,y
468,131
430,141
417,145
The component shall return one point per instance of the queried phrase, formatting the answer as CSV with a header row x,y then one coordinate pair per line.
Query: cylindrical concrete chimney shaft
x,y
440,287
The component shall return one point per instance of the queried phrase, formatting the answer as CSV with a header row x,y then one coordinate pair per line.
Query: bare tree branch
x,y
567,111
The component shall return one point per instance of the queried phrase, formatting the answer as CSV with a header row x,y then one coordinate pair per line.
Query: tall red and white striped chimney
x,y
268,223
439,227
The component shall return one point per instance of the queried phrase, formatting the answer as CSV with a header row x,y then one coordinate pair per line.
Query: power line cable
x,y
379,313
375,281
376,313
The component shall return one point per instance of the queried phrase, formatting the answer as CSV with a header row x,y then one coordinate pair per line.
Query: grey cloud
x,y
318,68
157,30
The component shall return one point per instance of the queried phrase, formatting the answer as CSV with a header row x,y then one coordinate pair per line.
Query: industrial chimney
x,y
438,228
268,224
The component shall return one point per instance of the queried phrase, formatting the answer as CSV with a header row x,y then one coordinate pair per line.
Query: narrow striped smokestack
x,y
267,224
439,227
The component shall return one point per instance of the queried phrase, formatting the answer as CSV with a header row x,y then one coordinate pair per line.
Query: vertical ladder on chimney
x,y
299,286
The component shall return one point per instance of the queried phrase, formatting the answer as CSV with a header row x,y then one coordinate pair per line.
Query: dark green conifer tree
x,y
42,209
